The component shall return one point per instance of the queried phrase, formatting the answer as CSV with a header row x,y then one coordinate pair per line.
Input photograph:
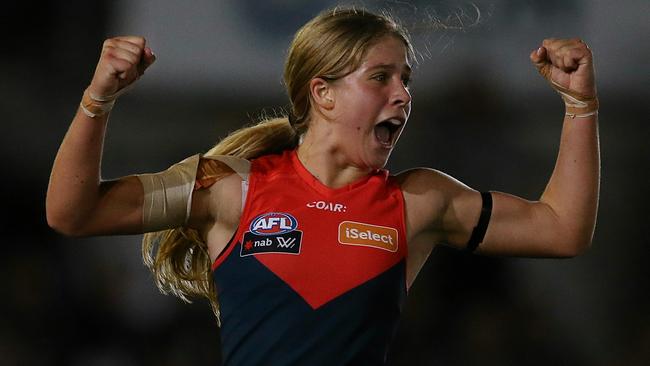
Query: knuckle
x,y
139,40
109,53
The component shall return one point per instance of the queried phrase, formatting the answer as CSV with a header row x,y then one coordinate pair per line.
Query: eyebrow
x,y
407,67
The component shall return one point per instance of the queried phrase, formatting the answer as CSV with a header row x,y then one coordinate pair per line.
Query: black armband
x,y
481,227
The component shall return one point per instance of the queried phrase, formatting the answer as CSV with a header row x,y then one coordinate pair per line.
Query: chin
x,y
379,162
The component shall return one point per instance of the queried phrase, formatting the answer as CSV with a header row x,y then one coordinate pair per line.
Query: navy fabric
x,y
265,322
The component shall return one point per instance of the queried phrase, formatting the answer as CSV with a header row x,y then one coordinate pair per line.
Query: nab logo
x,y
273,223
273,232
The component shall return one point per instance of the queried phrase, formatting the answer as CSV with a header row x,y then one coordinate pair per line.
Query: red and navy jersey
x,y
313,275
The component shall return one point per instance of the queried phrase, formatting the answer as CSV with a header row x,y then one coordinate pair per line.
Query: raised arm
x,y
561,222
78,201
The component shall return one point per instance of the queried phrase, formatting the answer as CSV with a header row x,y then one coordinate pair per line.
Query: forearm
x,y
74,187
572,191
77,202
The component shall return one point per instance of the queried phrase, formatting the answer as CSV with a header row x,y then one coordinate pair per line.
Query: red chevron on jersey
x,y
342,238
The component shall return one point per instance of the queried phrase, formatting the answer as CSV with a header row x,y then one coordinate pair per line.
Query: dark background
x,y
480,114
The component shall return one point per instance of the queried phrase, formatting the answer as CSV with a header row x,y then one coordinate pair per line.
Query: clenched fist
x,y
567,63
123,60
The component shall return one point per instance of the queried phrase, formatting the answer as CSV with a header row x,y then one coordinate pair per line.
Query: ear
x,y
322,93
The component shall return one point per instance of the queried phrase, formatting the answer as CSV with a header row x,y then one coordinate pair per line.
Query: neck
x,y
327,161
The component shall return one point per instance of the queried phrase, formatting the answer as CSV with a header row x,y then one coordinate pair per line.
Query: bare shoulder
x,y
217,195
430,196
429,187
419,180
216,208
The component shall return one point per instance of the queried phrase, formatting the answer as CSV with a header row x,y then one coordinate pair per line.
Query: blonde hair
x,y
330,46
178,258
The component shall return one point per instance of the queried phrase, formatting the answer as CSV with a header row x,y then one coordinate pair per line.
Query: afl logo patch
x,y
273,223
273,232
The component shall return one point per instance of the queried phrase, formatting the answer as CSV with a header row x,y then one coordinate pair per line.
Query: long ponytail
x,y
178,258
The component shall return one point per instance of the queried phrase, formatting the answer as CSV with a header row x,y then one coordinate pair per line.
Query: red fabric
x,y
327,265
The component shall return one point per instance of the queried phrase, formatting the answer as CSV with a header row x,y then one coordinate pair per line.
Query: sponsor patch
x,y
273,232
327,206
358,233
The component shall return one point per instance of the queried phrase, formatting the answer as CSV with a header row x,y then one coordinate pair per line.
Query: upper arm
x,y
117,211
183,195
216,204
216,197
449,210
439,209
440,205
524,228
151,202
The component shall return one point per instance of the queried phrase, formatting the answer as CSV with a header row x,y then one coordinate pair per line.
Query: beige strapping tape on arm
x,y
168,195
238,165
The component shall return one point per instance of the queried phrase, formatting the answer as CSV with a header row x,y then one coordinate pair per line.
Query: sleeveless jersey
x,y
313,275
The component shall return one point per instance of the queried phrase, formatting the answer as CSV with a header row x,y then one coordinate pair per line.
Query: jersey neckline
x,y
323,189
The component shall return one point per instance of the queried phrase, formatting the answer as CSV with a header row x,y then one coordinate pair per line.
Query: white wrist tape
x,y
98,105
93,107
577,105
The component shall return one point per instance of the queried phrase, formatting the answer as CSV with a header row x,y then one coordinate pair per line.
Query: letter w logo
x,y
286,243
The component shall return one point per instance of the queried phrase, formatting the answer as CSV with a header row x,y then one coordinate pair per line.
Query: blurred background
x,y
481,113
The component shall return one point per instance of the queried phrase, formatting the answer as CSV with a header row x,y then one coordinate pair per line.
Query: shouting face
x,y
372,104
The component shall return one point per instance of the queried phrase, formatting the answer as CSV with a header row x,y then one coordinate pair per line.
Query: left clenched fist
x,y
568,63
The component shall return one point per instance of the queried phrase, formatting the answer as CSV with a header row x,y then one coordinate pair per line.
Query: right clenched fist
x,y
123,60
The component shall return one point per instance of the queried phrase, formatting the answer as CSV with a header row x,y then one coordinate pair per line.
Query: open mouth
x,y
386,131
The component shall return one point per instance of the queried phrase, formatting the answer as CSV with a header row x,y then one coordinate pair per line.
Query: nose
x,y
401,96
